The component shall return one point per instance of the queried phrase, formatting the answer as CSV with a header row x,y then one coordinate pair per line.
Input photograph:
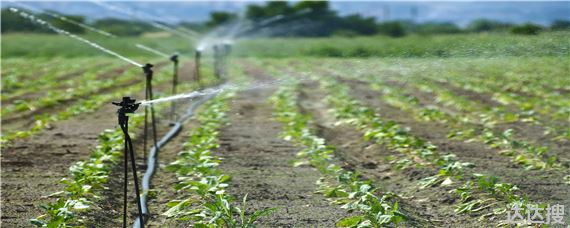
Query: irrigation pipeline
x,y
152,157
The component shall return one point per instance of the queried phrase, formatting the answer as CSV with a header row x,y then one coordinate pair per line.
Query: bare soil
x,y
259,162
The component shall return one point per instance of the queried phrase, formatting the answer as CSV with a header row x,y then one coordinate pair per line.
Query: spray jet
x,y
60,17
271,20
151,22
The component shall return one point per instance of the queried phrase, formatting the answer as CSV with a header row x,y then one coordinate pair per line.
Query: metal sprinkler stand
x,y
128,105
174,59
227,51
217,62
197,61
147,69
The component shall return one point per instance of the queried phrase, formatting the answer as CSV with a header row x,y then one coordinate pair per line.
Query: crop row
x,y
80,86
205,201
89,177
474,122
82,106
478,192
471,127
64,74
18,73
340,186
548,109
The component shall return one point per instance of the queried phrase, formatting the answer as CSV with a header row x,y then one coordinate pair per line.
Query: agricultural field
x,y
439,131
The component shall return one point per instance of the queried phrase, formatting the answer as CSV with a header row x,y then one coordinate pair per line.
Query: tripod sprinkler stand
x,y
174,60
128,105
147,69
217,61
227,51
197,61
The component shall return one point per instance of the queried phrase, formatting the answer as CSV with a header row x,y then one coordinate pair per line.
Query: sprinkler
x,y
128,105
174,59
227,52
217,62
147,69
197,61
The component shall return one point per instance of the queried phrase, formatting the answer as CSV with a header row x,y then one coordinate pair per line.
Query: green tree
x,y
220,17
359,24
12,22
486,25
526,29
123,27
392,28
437,28
70,27
560,25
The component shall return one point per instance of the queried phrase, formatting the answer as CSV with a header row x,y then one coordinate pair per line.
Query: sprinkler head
x,y
127,105
147,68
174,58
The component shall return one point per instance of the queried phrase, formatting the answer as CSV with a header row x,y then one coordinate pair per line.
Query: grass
x,y
457,45
51,45
462,45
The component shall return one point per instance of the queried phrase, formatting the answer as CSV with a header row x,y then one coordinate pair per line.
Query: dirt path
x,y
258,161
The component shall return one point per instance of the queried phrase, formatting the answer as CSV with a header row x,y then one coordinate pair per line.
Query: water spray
x,y
272,20
153,23
66,33
60,17
147,69
126,106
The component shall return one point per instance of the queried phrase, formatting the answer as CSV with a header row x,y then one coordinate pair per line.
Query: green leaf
x,y
349,221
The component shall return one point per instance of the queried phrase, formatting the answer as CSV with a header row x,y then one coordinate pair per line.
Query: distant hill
x,y
457,12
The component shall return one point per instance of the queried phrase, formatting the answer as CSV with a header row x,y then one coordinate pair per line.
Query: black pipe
x,y
177,127
174,60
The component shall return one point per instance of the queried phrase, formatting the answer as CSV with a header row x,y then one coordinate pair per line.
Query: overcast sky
x,y
457,12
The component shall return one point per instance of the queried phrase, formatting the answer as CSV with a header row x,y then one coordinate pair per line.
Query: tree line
x,y
280,18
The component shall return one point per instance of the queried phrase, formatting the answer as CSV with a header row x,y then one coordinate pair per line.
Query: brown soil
x,y
258,161
44,89
31,168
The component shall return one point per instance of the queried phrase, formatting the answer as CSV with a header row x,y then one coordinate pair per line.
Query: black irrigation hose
x,y
151,162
